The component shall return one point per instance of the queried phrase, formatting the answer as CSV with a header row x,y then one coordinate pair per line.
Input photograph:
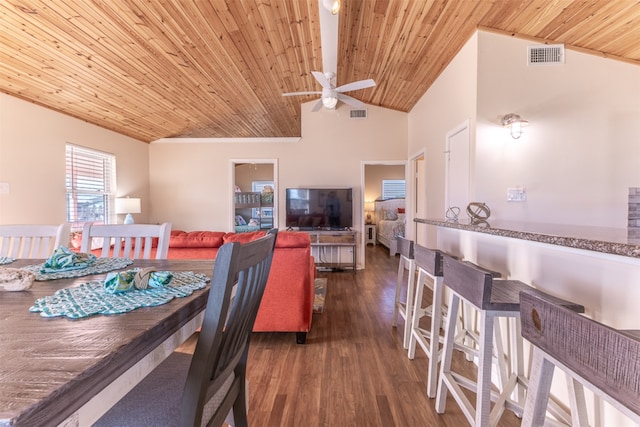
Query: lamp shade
x,y
128,205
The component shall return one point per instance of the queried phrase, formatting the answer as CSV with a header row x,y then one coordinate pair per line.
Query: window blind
x,y
393,189
90,185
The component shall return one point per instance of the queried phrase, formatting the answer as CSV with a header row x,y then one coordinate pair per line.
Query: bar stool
x,y
404,307
602,358
428,263
492,299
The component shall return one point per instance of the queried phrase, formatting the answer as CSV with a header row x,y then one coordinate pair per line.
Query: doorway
x,y
373,176
254,176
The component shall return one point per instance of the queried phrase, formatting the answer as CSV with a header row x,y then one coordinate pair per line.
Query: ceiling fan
x,y
332,94
329,40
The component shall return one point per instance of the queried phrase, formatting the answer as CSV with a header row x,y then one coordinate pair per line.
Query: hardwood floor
x,y
353,370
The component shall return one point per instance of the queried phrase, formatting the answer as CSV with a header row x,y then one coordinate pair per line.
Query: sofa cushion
x,y
285,239
243,237
196,239
293,239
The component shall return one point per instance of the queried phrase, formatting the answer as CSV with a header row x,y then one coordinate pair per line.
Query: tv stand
x,y
327,247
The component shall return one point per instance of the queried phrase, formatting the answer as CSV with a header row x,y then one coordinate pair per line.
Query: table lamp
x,y
128,205
368,208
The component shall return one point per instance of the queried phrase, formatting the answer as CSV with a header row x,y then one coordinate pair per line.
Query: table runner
x,y
91,298
101,265
6,260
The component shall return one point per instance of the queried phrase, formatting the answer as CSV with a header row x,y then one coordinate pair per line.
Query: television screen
x,y
319,208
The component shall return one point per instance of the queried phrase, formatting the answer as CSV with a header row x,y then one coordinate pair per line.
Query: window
x,y
90,184
393,189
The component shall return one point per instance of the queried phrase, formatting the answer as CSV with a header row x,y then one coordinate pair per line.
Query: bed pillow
x,y
390,215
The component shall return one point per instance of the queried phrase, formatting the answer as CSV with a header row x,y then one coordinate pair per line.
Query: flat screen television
x,y
319,208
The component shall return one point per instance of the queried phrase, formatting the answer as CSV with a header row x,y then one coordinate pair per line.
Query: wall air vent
x,y
545,54
358,114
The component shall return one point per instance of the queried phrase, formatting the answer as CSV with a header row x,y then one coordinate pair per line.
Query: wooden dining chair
x,y
32,241
135,241
202,389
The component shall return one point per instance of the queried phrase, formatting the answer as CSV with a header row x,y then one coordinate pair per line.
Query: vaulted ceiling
x,y
197,68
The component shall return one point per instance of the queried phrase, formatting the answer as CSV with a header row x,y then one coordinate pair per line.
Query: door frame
x,y
232,187
363,165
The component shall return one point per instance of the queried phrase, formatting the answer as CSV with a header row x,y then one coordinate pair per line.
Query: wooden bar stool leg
x,y
408,306
468,324
434,342
396,304
418,312
535,409
447,352
498,347
483,390
577,401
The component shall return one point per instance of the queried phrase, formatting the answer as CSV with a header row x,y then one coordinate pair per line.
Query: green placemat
x,y
91,298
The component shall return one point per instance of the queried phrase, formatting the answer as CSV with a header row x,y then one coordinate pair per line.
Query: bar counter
x,y
614,241
593,266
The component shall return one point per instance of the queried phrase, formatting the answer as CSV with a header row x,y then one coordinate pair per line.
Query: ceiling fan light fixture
x,y
332,6
330,101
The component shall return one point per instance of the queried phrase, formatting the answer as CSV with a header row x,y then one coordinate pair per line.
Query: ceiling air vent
x,y
545,54
358,114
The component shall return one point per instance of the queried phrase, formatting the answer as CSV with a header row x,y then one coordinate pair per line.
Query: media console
x,y
327,247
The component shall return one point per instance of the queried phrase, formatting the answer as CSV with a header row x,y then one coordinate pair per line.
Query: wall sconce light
x,y
128,205
332,6
515,122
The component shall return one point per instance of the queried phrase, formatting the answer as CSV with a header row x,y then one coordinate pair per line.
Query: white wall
x,y
32,161
576,159
190,182
581,150
449,102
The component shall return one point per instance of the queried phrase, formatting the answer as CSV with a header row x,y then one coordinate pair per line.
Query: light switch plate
x,y
4,188
516,194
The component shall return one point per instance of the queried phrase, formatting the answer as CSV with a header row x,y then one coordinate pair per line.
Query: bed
x,y
390,221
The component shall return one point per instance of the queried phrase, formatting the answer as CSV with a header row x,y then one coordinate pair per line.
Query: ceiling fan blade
x,y
322,79
318,106
302,93
360,84
351,101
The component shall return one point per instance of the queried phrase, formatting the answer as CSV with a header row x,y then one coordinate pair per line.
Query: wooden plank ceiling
x,y
181,68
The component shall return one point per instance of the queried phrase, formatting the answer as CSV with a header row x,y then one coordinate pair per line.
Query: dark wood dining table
x,y
57,370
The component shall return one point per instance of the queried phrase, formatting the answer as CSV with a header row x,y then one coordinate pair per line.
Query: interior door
x,y
457,168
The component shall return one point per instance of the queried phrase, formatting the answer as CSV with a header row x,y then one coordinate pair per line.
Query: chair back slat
x,y
133,241
240,275
32,241
471,283
405,247
607,358
429,260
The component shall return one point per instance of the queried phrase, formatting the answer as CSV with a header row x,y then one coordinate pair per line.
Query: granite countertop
x,y
615,241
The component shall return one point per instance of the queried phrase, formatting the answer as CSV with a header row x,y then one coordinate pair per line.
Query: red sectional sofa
x,y
287,304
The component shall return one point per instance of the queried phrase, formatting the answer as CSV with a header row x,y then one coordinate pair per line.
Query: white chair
x,y
404,307
133,241
32,241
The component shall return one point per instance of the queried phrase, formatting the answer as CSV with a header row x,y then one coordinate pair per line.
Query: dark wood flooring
x,y
353,370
